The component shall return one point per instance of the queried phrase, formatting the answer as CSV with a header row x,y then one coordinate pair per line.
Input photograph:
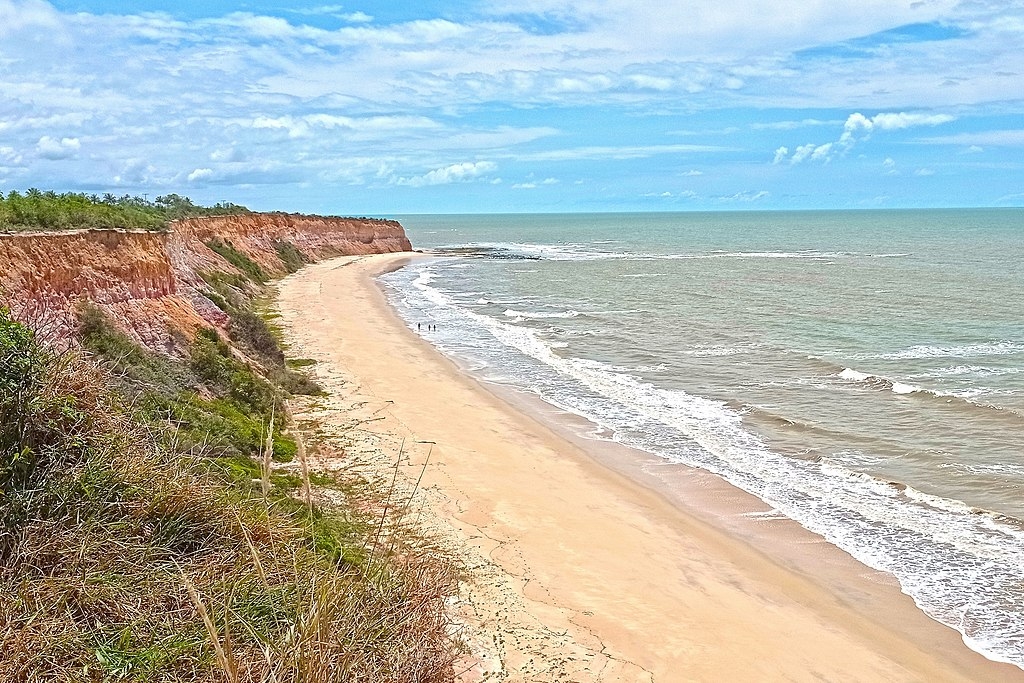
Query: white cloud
x,y
644,81
889,162
524,186
10,156
922,172
356,17
904,120
791,125
200,174
809,151
749,196
858,126
16,17
991,138
454,173
229,154
302,126
693,173
51,148
622,152
315,95
322,9
685,194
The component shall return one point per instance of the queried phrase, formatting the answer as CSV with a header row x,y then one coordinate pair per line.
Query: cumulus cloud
x,y
200,174
135,172
802,153
51,148
10,156
454,173
856,128
16,17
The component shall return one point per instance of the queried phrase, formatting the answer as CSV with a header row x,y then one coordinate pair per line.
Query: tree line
x,y
38,210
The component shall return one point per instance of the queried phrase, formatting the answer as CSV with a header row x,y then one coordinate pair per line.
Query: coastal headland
x,y
579,572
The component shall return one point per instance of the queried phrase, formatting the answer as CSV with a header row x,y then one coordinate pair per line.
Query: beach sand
x,y
586,561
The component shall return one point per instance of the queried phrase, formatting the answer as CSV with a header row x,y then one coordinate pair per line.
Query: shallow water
x,y
862,372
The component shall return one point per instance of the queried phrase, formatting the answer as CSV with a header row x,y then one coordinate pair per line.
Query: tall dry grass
x,y
122,558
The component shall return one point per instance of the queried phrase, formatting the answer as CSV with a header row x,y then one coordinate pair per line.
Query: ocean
x,y
862,372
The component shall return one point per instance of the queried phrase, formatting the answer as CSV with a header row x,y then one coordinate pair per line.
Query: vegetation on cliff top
x,y
37,210
145,534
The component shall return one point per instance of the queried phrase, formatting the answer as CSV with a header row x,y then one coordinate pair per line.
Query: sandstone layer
x,y
150,283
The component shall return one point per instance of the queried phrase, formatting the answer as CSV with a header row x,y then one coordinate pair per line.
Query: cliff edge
x,y
151,283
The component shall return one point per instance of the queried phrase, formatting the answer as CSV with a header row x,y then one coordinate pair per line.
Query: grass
x,y
137,542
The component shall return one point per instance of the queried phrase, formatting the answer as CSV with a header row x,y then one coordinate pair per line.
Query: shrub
x,y
252,332
48,409
290,256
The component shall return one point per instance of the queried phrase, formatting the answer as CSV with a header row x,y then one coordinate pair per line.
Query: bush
x,y
253,333
133,367
47,425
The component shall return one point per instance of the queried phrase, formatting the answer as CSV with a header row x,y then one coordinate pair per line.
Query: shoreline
x,y
670,570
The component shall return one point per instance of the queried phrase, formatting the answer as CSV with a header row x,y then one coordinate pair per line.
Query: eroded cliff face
x,y
149,283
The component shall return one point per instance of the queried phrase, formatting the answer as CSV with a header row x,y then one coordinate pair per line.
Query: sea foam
x,y
961,565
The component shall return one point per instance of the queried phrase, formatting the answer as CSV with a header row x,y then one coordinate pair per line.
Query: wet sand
x,y
589,561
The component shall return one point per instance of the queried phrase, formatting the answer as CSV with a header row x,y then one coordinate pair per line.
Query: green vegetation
x,y
290,256
36,210
239,260
145,535
251,331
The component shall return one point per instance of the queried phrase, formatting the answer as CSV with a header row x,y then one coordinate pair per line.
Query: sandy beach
x,y
588,562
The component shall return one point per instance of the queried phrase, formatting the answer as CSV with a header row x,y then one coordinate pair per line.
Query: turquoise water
x,y
861,372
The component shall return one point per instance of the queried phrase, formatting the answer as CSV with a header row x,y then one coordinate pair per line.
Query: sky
x,y
387,107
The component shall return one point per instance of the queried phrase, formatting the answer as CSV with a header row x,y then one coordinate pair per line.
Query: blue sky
x,y
384,108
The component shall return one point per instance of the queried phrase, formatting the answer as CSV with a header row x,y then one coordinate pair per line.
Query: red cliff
x,y
149,281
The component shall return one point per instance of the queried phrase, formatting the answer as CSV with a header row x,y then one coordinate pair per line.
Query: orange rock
x,y
148,282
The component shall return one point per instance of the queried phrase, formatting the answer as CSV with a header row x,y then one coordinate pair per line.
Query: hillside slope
x,y
151,283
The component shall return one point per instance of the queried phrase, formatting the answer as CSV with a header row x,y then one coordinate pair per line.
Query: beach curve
x,y
592,576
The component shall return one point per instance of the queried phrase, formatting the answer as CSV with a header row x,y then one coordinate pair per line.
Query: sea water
x,y
861,372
